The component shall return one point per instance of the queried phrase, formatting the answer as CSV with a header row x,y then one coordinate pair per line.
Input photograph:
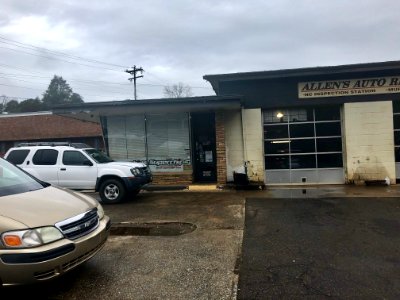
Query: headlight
x,y
135,171
100,212
31,237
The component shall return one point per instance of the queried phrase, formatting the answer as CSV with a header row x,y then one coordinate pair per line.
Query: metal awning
x,y
92,111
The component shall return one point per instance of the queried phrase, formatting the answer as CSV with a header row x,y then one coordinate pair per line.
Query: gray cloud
x,y
183,40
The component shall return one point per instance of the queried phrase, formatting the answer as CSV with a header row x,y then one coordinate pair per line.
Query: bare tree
x,y
179,90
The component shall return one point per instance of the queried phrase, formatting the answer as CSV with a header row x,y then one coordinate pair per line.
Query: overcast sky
x,y
182,40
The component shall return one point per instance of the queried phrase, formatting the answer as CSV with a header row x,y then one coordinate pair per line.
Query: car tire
x,y
112,191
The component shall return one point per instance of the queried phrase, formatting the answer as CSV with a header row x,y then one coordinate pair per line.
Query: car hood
x,y
126,164
46,206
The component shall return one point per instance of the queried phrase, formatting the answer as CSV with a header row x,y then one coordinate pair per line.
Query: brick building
x,y
45,126
323,125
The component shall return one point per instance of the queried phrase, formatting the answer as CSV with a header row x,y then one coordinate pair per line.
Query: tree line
x,y
58,92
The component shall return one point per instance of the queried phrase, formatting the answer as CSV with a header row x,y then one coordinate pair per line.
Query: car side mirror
x,y
87,163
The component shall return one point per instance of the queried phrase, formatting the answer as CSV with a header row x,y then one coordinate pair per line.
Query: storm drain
x,y
152,229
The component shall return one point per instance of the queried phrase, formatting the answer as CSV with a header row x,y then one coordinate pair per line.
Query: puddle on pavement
x,y
152,229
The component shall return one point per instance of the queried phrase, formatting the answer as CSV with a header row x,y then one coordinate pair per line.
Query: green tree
x,y
30,105
12,106
76,98
59,92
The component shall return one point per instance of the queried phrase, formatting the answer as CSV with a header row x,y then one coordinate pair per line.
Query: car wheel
x,y
112,191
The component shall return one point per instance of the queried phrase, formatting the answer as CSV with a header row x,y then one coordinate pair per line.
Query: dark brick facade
x,y
173,178
220,148
47,128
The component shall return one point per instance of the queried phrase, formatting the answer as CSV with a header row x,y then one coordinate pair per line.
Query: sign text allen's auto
x,y
350,87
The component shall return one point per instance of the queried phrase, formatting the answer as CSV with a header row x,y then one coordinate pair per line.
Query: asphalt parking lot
x,y
314,243
342,248
196,265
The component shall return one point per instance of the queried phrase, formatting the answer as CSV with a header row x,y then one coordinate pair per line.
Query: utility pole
x,y
133,72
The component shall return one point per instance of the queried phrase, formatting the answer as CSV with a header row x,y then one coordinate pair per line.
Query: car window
x,y
14,181
73,158
17,157
98,156
45,157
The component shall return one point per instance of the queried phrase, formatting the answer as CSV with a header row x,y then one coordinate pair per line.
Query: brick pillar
x,y
220,147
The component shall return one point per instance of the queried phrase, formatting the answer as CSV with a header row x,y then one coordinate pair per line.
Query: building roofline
x,y
93,111
128,102
323,70
25,114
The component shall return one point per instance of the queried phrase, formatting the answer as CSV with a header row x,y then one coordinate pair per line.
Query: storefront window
x,y
301,115
135,138
276,147
277,162
276,116
276,131
116,137
310,138
328,129
168,142
161,140
329,145
302,161
396,127
328,113
302,146
333,160
302,130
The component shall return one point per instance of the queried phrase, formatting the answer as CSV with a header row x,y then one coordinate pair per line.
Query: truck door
x,y
76,171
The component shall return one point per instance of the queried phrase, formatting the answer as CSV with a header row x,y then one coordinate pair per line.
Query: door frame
x,y
193,140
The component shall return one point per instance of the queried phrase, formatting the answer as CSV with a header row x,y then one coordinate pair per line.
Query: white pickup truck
x,y
79,167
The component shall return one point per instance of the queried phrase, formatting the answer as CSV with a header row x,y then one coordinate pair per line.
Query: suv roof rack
x,y
55,144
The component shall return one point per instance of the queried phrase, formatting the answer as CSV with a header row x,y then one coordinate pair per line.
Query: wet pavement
x,y
295,248
197,264
202,262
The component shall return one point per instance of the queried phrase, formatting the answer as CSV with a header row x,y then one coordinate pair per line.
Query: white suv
x,y
79,167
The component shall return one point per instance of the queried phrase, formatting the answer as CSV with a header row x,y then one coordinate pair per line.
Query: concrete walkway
x,y
294,191
329,191
291,191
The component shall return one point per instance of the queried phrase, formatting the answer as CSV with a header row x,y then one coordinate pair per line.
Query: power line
x,y
88,81
59,53
114,92
24,87
56,58
74,57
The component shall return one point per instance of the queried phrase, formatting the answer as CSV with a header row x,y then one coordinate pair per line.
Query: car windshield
x,y
99,156
14,181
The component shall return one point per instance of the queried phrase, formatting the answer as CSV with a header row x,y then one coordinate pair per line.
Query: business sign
x,y
349,87
167,165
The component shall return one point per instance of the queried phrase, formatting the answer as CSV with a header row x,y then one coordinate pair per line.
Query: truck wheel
x,y
112,191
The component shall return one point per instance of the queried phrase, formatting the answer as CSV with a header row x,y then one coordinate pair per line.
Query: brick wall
x,y
220,147
172,178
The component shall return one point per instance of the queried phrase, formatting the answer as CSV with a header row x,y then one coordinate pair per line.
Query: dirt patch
x,y
152,229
